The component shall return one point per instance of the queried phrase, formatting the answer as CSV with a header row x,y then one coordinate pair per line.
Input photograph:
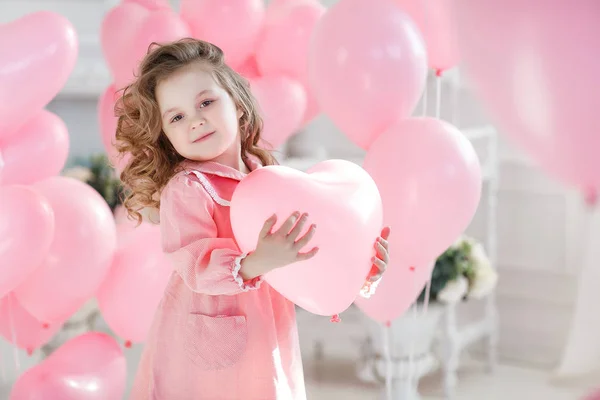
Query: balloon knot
x,y
388,323
412,268
29,351
591,197
439,72
336,318
128,344
45,325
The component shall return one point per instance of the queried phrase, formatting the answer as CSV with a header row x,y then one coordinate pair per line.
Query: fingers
x,y
304,240
382,252
381,266
308,255
269,223
288,224
385,233
298,228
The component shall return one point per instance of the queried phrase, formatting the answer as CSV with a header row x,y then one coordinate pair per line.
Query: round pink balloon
x,y
249,69
233,25
130,294
397,291
89,367
535,66
80,253
285,39
26,231
429,177
436,23
367,66
37,54
45,139
282,103
344,203
29,333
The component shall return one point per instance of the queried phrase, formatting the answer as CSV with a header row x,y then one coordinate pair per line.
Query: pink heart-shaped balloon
x,y
45,139
88,367
29,332
118,28
26,234
37,54
128,30
342,200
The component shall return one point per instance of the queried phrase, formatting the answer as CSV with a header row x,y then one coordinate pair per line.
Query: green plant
x,y
97,172
455,262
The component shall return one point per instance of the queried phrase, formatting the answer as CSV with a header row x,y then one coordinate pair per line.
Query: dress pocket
x,y
215,343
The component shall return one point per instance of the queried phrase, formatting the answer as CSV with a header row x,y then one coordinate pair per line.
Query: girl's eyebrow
x,y
202,93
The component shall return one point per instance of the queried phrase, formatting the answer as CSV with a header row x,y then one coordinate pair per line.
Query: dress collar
x,y
215,168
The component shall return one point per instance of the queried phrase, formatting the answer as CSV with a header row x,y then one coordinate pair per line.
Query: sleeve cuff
x,y
368,289
252,284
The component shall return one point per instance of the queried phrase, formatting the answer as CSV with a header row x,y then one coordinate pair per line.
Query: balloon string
x,y
438,96
14,335
411,351
388,361
456,100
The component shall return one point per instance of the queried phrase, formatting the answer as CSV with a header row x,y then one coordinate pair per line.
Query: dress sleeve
x,y
207,263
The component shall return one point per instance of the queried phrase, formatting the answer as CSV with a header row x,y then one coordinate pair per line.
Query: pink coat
x,y
215,337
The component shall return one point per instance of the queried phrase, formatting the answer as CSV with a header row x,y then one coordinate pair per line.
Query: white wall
x,y
537,229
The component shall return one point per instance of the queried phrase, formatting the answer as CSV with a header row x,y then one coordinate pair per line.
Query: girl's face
x,y
198,116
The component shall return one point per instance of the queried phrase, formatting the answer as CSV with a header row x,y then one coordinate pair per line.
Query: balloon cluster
x,y
268,45
367,66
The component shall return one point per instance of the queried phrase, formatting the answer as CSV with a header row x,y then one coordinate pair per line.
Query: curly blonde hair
x,y
153,160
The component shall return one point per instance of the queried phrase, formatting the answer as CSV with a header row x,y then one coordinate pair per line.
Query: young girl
x,y
191,127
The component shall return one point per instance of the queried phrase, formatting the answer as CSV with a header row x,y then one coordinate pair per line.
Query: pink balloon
x,y
26,232
29,333
367,66
430,180
285,39
88,367
160,26
249,69
233,25
397,291
342,199
151,5
436,23
37,54
45,139
130,294
429,177
80,253
127,32
108,127
594,396
535,66
116,33
282,103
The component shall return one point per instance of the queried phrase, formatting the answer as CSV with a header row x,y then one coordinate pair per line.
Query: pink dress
x,y
215,337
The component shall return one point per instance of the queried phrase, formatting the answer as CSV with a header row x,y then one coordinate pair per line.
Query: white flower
x,y
479,256
454,290
82,174
484,281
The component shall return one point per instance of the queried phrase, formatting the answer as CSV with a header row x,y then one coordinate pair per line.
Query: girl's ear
x,y
240,113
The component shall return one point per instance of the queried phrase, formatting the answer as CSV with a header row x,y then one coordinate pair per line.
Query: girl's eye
x,y
176,118
205,103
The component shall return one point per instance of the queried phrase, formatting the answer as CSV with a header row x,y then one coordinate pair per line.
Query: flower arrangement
x,y
462,272
97,172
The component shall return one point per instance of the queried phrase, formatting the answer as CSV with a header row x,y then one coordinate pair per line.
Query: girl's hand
x,y
279,248
382,259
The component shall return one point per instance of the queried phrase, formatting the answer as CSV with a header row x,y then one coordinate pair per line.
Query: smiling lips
x,y
203,137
